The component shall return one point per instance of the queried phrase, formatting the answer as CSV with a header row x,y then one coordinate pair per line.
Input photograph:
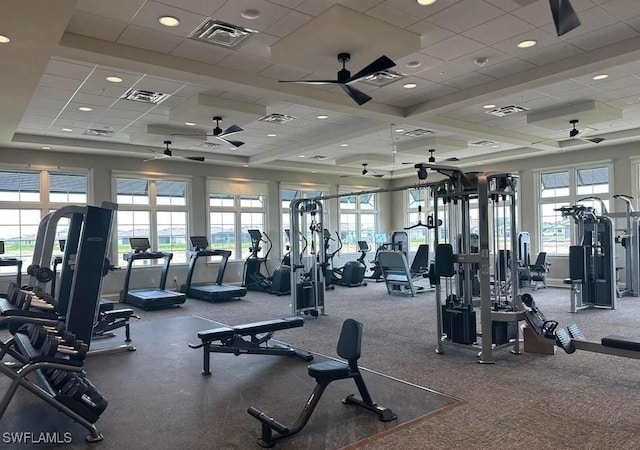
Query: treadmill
x,y
149,298
213,292
8,262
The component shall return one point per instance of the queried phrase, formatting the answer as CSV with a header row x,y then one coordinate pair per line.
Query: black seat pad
x,y
215,334
115,314
329,369
622,342
268,326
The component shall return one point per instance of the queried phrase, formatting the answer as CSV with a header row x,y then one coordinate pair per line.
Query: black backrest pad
x,y
445,266
577,258
350,342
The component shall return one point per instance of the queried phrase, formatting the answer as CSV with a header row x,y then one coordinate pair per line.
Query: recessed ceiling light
x,y
394,151
169,21
4,39
190,124
301,156
602,76
67,129
495,146
527,44
245,165
426,2
413,64
409,85
46,148
85,109
114,79
313,171
272,135
321,117
344,145
399,130
250,14
489,106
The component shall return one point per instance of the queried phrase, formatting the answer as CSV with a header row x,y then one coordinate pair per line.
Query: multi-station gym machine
x,y
592,261
488,255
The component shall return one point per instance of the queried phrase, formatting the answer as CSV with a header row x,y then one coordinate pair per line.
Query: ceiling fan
x,y
576,134
432,158
565,18
167,153
366,171
345,80
219,133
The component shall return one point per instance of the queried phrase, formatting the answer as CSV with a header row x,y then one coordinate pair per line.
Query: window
x,y
235,208
415,201
155,209
28,195
358,220
588,186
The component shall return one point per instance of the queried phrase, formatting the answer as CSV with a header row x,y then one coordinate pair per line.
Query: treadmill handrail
x,y
193,258
131,257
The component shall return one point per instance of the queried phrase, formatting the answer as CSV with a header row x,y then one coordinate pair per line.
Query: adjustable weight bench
x,y
397,274
232,340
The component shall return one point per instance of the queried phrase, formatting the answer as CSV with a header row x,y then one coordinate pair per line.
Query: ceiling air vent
x,y
276,118
97,132
139,95
483,143
383,77
507,110
417,132
221,33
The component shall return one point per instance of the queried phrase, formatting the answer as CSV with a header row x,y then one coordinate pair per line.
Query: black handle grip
x,y
269,421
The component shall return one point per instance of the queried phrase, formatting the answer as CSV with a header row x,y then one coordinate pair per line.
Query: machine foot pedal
x,y
575,332
564,340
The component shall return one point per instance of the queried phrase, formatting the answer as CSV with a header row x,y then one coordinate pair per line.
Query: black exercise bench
x,y
231,340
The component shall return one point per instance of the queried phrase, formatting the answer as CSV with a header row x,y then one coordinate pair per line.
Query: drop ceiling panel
x,y
313,48
122,10
465,15
67,69
95,26
245,63
452,48
392,15
270,13
624,9
498,29
149,14
506,68
601,38
288,23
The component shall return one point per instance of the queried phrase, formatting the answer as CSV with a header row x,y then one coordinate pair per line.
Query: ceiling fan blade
x,y
380,64
311,81
564,17
233,143
378,175
156,157
595,140
194,158
232,129
358,96
453,158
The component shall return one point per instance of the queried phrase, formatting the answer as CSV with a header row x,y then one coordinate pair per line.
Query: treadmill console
x,y
199,243
139,245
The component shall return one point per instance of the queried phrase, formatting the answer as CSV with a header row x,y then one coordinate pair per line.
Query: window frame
x,y
570,199
152,207
44,204
358,212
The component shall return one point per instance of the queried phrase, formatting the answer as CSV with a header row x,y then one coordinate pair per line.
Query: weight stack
x,y
459,325
503,332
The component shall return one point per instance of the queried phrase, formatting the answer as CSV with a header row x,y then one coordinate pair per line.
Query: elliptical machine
x,y
253,279
350,275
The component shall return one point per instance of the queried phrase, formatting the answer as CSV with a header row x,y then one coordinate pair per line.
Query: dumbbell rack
x,y
51,337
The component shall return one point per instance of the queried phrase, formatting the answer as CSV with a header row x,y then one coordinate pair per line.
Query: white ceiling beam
x,y
321,141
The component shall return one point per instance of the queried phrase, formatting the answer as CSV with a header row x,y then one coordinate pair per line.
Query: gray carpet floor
x,y
582,400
